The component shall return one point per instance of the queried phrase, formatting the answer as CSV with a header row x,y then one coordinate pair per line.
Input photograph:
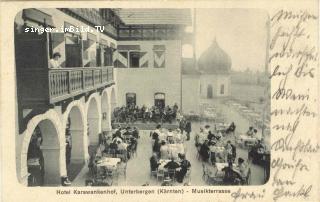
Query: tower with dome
x,y
214,66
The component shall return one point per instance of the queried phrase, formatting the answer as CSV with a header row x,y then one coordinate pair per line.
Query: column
x,y
51,157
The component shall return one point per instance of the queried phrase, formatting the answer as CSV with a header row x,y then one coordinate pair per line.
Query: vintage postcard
x,y
153,100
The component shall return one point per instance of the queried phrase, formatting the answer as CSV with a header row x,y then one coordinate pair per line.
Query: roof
x,y
155,16
188,67
214,60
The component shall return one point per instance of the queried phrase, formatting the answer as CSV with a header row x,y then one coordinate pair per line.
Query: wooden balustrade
x,y
68,82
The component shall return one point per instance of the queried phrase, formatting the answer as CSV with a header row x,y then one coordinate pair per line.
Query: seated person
x,y
114,146
164,153
243,168
211,136
171,165
154,164
117,134
250,131
257,151
230,175
231,128
185,166
231,152
206,129
121,146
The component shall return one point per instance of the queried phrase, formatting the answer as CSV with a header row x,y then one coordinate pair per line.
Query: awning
x,y
35,15
159,47
128,47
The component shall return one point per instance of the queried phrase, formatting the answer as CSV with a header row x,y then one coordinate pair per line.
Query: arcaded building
x,y
136,53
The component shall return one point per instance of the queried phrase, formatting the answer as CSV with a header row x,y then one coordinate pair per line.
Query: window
x,y
222,89
131,99
108,59
159,100
73,50
134,59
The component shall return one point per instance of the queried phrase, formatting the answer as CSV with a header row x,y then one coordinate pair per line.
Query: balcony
x,y
50,86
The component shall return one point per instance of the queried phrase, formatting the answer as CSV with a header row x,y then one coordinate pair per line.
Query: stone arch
x,y
93,112
113,100
75,123
106,111
52,146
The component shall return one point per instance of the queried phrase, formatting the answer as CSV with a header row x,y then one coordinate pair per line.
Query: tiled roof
x,y
155,16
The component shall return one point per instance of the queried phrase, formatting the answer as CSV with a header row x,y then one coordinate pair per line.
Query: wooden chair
x,y
154,173
187,178
122,169
172,174
204,172
160,174
247,180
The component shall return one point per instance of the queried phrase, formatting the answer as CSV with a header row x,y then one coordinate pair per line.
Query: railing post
x,y
69,81
83,79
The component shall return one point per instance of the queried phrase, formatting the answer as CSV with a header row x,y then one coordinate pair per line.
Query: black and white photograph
x,y
142,97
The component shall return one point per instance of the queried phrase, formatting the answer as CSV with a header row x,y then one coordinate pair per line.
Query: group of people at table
x,y
114,148
218,156
168,156
132,113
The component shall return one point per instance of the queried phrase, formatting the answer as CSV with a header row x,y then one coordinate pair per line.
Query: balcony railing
x,y
50,86
68,82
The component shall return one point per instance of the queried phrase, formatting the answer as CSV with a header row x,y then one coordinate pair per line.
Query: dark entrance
x,y
159,100
131,99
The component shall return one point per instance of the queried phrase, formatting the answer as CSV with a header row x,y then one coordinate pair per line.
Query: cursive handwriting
x,y
247,195
293,59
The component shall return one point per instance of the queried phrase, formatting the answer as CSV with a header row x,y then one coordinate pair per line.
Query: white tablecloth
x,y
247,138
110,163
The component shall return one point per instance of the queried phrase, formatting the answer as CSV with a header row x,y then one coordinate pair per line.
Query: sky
x,y
242,33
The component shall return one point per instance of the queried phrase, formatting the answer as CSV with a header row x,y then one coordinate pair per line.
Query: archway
x,y
113,102
75,142
209,92
43,155
93,122
105,110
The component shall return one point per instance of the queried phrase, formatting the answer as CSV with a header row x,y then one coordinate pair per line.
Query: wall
x,y
190,93
147,81
216,81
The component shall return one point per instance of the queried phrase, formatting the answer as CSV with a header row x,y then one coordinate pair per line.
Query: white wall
x,y
190,93
147,81
216,81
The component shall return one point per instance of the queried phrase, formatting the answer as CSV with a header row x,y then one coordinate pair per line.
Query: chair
x,y
187,178
171,173
247,180
204,172
122,169
153,173
160,174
